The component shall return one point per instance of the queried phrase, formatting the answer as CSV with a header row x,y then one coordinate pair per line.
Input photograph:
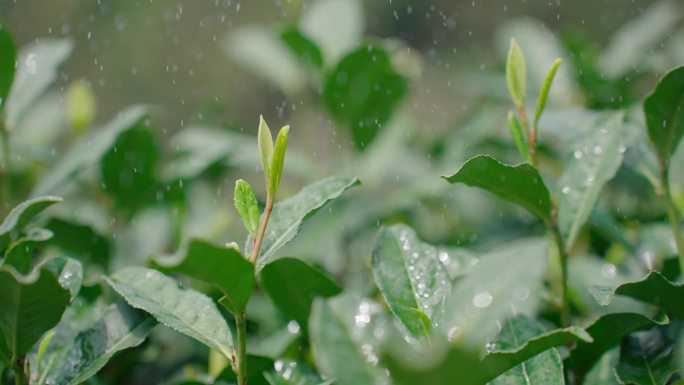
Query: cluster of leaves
x,y
585,290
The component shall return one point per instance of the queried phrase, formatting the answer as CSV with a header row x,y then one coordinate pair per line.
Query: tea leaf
x,y
278,161
521,185
664,111
294,373
303,47
69,273
21,215
518,136
183,310
7,60
265,148
410,277
80,101
603,372
246,205
647,358
20,253
544,93
515,74
293,285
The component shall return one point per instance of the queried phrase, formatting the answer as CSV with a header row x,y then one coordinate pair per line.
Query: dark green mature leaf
x,y
603,372
80,241
664,110
223,267
363,91
410,276
20,253
38,70
31,305
289,372
335,329
288,215
89,149
21,215
293,285
596,160
607,331
519,184
489,292
647,358
8,56
257,367
88,343
654,289
183,310
544,368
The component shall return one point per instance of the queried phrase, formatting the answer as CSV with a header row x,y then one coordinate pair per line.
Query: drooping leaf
x,y
544,368
518,135
410,276
544,93
278,161
246,206
293,285
647,358
288,215
521,184
223,267
31,305
88,342
664,111
8,56
596,160
183,310
21,215
516,74
654,289
38,63
489,293
363,91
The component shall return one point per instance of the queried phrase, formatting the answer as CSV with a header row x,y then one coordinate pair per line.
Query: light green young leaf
x,y
278,161
265,148
21,215
516,74
546,87
664,110
521,185
410,277
246,205
183,310
596,160
81,106
7,60
518,135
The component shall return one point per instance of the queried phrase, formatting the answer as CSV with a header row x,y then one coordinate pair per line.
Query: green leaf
x,y
518,136
183,310
8,58
516,74
647,358
596,160
256,369
363,91
32,305
246,205
544,368
335,25
607,331
603,373
489,293
80,101
334,329
278,161
37,69
410,276
90,149
303,47
664,111
289,372
294,284
287,216
21,215
265,148
223,267
521,184
88,342
69,273
20,254
80,241
544,93
654,289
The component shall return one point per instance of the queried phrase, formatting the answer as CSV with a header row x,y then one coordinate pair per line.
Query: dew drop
x,y
482,300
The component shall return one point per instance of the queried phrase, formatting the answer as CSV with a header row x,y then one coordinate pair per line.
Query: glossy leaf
x,y
246,206
7,60
38,63
654,289
69,273
21,215
664,111
596,160
516,74
293,285
31,305
183,310
278,161
410,276
518,135
288,215
265,148
20,254
647,358
544,93
521,185
544,368
87,344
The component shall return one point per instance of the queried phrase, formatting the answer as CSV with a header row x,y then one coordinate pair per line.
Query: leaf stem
x,y
241,323
256,245
673,217
18,369
530,133
563,256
